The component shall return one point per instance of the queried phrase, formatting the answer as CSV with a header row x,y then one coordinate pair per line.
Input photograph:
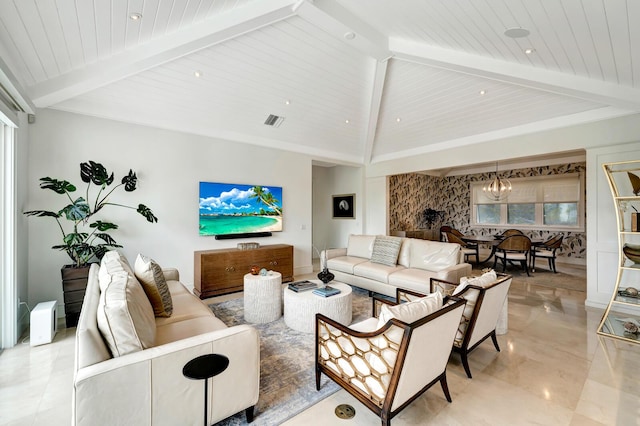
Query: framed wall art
x,y
344,206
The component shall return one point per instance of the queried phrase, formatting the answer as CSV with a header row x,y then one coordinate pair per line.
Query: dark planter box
x,y
74,285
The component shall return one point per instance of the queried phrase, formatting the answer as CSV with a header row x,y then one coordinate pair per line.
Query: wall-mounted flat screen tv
x,y
227,208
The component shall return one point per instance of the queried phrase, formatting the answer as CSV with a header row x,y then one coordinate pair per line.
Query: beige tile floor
x,y
553,370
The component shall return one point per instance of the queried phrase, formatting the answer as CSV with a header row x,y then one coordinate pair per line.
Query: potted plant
x,y
85,238
430,216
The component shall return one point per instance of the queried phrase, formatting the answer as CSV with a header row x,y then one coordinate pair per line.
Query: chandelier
x,y
498,189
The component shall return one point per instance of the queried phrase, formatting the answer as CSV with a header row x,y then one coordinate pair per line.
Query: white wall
x,y
602,233
169,166
377,206
328,181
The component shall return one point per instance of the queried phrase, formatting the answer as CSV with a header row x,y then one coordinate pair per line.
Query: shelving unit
x,y
622,307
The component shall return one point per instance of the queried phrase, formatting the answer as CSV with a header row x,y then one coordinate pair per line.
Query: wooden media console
x,y
222,271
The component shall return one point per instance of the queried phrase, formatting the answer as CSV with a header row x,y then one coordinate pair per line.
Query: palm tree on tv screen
x,y
266,198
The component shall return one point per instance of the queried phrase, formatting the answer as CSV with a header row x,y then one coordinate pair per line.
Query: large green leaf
x,y
57,186
75,238
103,226
76,211
96,173
130,181
42,213
101,249
107,239
147,213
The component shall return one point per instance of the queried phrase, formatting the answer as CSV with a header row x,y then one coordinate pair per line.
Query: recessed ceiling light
x,y
483,92
529,50
350,35
346,121
197,73
517,32
287,102
135,16
398,120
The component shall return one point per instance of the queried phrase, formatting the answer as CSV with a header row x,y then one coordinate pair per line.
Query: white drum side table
x,y
300,309
262,297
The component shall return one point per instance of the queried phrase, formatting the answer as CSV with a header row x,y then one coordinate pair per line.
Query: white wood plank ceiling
x,y
407,82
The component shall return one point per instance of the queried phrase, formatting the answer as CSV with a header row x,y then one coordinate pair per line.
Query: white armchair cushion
x,y
407,312
150,275
483,281
125,316
471,296
360,245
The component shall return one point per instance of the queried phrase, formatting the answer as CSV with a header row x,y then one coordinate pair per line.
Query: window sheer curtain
x,y
8,287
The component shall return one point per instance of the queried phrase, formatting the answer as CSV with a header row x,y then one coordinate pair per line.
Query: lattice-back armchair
x,y
386,366
485,296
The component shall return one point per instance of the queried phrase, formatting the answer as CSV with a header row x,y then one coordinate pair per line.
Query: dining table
x,y
493,241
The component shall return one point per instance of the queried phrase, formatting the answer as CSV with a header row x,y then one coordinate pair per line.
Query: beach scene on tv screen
x,y
231,208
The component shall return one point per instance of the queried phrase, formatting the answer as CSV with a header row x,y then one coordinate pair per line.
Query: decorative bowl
x,y
632,251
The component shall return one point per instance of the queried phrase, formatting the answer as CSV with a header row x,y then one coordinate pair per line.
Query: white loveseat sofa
x,y
368,262
147,386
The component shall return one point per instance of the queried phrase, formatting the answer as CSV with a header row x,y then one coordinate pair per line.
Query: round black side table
x,y
204,367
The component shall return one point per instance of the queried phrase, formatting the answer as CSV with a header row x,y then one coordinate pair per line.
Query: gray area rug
x,y
287,376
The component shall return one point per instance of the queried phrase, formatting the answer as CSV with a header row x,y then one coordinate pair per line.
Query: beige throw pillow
x,y
125,316
385,250
150,275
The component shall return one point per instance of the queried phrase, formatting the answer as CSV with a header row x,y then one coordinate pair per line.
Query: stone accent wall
x,y
410,194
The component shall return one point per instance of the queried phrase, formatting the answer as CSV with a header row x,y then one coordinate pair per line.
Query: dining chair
x,y
445,229
510,232
467,248
547,250
514,248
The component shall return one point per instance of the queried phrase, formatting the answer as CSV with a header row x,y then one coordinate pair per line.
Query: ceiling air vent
x,y
274,120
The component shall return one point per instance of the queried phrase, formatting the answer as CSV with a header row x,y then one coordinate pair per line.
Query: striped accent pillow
x,y
150,275
385,250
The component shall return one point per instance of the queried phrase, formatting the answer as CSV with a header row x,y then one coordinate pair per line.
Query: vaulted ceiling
x,y
357,81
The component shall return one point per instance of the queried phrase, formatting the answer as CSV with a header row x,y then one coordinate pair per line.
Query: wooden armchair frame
x,y
348,356
469,335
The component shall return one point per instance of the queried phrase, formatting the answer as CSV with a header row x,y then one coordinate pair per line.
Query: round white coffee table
x,y
262,297
300,309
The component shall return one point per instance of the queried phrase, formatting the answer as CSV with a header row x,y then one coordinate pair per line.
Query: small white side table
x,y
300,309
262,297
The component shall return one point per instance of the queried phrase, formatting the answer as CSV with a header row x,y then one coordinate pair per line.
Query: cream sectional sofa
x,y
145,386
368,262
